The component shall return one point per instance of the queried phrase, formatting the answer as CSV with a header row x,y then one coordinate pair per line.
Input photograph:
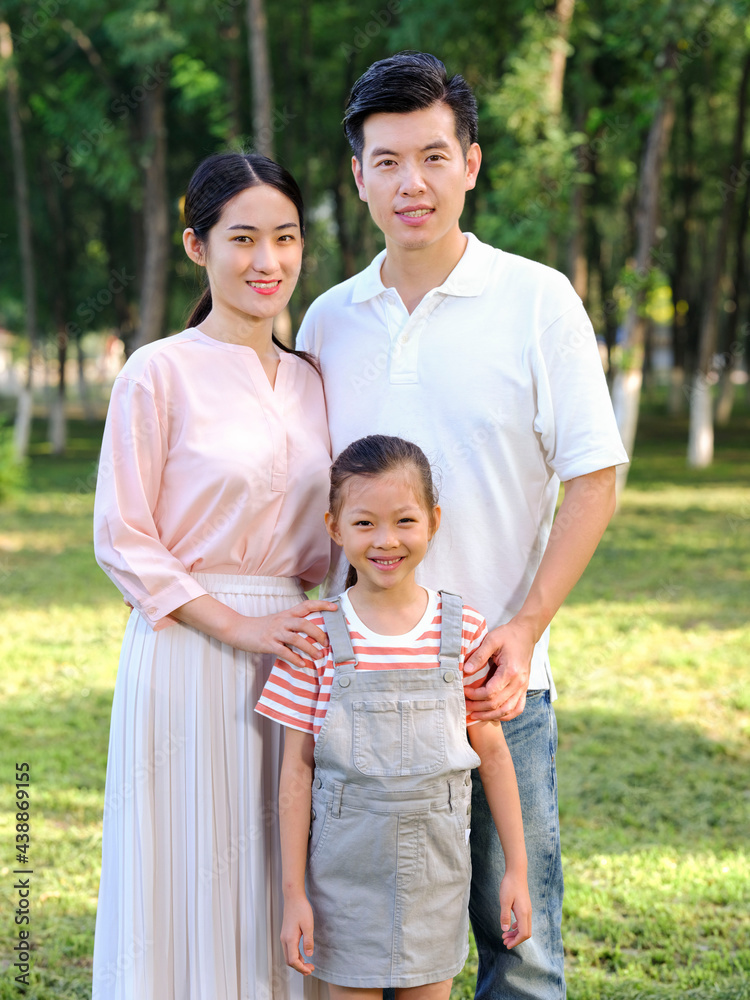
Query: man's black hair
x,y
409,81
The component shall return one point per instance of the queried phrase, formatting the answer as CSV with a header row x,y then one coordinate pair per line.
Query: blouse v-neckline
x,y
249,352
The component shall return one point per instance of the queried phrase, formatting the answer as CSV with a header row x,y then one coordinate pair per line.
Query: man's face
x,y
414,176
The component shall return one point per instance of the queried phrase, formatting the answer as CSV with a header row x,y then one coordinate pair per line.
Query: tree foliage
x,y
559,183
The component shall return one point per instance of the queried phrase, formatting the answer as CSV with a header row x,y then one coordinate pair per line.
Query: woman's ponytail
x,y
201,309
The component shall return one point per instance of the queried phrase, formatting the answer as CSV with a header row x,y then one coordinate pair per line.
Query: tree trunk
x,y
701,434
262,103
59,281
58,427
701,441
346,243
686,175
558,58
22,429
230,37
578,269
626,391
563,15
153,297
725,402
342,191
734,348
84,391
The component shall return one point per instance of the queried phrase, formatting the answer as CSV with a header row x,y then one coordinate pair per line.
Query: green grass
x,y
650,656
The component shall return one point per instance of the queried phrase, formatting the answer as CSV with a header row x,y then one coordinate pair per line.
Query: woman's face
x,y
254,253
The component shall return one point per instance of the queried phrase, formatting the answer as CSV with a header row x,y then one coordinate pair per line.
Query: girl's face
x,y
253,254
383,527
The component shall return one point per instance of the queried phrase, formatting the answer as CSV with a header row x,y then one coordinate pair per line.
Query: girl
x,y
208,516
377,754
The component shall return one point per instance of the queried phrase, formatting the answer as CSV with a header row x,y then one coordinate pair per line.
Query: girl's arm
x,y
499,781
295,795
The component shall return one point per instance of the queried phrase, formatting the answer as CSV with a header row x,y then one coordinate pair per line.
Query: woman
x,y
209,518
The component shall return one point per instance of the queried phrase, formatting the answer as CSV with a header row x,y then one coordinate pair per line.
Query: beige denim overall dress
x,y
389,865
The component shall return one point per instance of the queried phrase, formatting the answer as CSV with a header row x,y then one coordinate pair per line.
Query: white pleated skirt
x,y
190,901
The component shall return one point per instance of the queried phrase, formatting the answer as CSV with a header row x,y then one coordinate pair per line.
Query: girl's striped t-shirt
x,y
299,698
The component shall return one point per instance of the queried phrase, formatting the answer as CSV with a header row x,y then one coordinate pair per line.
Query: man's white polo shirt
x,y
497,376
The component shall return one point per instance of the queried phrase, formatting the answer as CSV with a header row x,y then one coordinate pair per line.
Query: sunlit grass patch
x,y
650,656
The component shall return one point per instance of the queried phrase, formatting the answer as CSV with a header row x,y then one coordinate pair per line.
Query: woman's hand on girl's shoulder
x,y
514,895
282,633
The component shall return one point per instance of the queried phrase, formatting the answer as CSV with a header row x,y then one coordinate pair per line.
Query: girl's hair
x,y
373,456
215,182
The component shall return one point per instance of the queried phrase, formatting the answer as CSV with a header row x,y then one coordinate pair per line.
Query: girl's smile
x,y
386,564
384,529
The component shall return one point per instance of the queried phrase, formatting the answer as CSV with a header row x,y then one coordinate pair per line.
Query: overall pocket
x,y
399,737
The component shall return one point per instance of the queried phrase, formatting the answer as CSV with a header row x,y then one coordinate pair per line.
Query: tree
x,y
262,103
628,379
701,440
23,414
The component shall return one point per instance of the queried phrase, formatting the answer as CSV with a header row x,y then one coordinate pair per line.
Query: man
x,y
489,362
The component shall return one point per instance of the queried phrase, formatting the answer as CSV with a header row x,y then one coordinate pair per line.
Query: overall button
x,y
314,815
344,682
448,676
317,783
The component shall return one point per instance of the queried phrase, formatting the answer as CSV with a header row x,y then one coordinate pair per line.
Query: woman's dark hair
x,y
373,456
409,81
215,182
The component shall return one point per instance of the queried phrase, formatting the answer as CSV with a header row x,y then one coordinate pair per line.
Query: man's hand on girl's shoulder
x,y
510,647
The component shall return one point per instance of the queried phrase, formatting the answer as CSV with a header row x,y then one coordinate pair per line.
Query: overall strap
x,y
338,635
451,630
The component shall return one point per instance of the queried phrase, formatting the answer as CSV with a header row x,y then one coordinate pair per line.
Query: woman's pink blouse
x,y
205,468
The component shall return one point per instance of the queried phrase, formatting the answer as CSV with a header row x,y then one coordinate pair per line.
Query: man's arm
x,y
587,507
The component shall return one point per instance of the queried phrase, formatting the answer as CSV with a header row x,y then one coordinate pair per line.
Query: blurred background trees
x,y
615,149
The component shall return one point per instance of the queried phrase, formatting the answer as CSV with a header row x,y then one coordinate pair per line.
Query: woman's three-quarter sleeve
x,y
126,540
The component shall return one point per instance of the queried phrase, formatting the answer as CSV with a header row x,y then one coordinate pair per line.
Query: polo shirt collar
x,y
467,278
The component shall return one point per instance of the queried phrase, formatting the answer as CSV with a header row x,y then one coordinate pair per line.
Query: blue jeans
x,y
532,970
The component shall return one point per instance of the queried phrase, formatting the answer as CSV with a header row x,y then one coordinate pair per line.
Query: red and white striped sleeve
x,y
474,632
291,694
